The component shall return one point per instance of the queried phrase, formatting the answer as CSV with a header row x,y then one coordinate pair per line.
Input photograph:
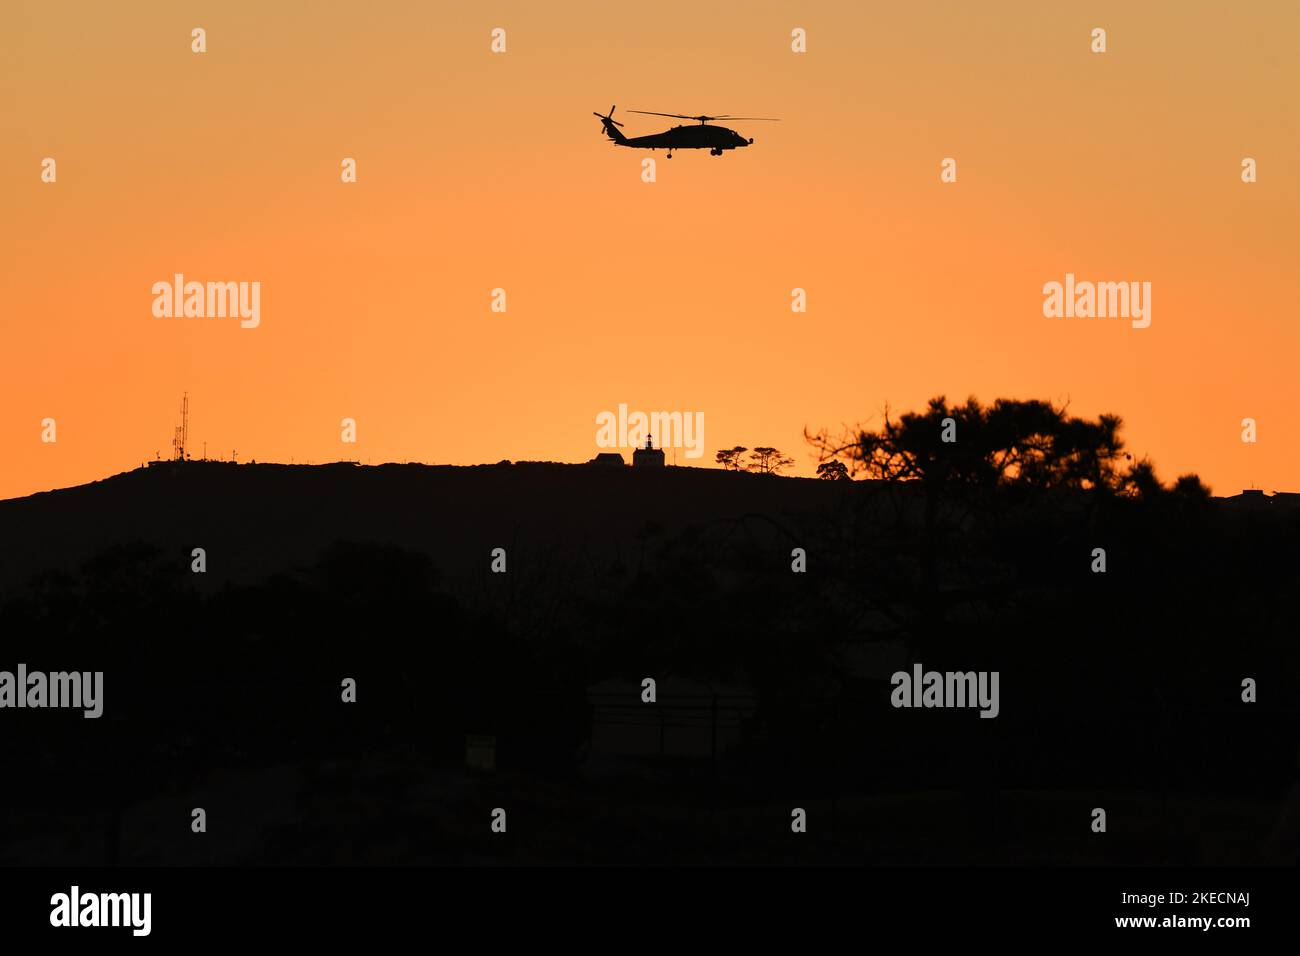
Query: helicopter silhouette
x,y
716,139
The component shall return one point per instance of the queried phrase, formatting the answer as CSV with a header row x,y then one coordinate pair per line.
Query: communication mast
x,y
182,430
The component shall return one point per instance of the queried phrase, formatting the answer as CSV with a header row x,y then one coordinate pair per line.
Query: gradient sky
x,y
479,170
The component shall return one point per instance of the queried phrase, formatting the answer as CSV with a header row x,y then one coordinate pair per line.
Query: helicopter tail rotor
x,y
610,125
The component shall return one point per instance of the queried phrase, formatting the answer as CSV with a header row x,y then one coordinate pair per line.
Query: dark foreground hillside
x,y
522,690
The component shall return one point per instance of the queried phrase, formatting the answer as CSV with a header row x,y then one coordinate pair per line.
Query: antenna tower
x,y
182,430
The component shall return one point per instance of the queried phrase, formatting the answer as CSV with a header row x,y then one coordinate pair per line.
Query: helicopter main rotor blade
x,y
652,113
706,119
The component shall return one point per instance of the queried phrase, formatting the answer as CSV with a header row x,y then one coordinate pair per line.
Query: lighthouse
x,y
649,456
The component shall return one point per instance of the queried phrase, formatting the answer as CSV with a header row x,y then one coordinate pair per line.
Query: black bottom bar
x,y
597,906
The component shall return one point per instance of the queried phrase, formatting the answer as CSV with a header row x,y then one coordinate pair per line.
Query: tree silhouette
x,y
768,461
833,470
729,458
1029,445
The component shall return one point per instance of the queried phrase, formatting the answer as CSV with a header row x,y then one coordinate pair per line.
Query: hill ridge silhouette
x,y
289,512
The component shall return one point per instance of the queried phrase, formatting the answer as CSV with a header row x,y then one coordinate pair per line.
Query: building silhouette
x,y
649,456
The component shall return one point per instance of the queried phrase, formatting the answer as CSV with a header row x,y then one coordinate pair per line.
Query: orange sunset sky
x,y
479,171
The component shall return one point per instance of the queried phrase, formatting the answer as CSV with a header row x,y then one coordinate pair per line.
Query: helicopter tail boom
x,y
613,133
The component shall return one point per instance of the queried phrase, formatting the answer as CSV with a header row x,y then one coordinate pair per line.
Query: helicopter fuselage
x,y
699,136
